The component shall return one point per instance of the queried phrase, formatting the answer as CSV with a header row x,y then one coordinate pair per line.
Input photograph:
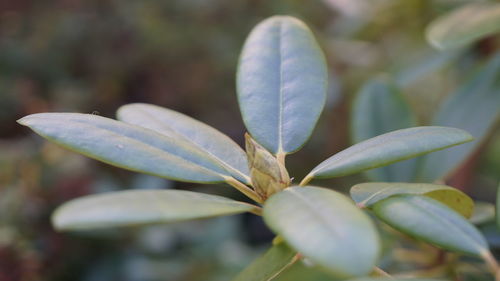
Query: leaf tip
x,y
24,121
57,221
467,137
430,35
282,18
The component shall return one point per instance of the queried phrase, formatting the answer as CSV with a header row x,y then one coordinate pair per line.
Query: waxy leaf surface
x,y
326,227
367,194
431,221
387,149
474,107
380,108
465,25
138,207
270,265
175,125
281,83
127,146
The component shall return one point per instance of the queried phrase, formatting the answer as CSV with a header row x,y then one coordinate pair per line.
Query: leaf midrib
x,y
318,213
146,145
446,222
413,191
224,165
281,70
376,146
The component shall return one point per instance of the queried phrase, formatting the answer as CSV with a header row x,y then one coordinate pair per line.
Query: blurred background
x,y
93,56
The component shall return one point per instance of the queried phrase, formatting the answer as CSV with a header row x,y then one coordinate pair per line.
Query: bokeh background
x,y
93,56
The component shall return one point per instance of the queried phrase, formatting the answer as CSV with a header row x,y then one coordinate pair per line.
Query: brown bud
x,y
267,173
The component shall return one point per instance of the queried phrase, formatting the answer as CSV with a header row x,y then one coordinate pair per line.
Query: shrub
x,y
282,84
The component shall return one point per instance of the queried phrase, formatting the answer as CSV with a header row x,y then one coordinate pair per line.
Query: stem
x,y
294,260
257,211
492,264
305,181
243,189
379,271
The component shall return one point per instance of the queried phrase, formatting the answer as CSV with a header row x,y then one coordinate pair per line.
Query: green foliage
x,y
465,25
133,207
215,145
387,149
480,92
278,258
282,80
281,85
367,194
433,222
127,146
380,108
326,227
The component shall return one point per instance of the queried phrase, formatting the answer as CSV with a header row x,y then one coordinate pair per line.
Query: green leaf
x,y
138,207
423,65
270,265
483,212
431,221
367,194
387,149
282,82
127,146
326,227
474,107
464,25
178,126
380,108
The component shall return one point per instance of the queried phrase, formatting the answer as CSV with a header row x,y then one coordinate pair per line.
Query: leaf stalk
x,y
244,189
492,264
380,272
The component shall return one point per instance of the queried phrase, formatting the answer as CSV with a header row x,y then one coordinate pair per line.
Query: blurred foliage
x,y
93,56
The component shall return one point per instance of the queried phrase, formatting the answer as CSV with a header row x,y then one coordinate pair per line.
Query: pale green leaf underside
x,y
464,25
431,221
269,265
281,83
367,194
212,142
380,108
326,227
139,207
389,148
480,95
127,146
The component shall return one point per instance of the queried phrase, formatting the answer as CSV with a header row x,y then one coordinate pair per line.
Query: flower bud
x,y
268,175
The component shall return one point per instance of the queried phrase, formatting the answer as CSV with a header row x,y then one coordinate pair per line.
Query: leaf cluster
x,y
282,84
